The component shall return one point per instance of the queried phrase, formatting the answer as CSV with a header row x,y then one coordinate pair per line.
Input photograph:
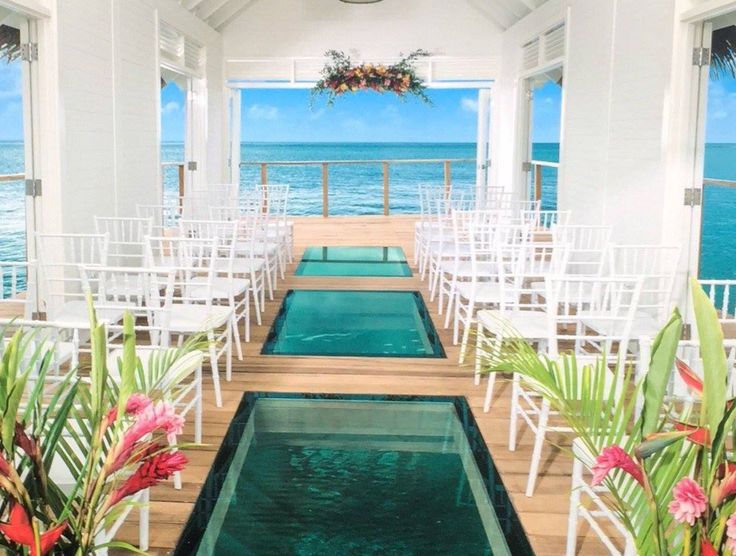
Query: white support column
x,y
235,136
196,133
482,143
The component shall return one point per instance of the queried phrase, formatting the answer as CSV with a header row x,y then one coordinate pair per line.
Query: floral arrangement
x,y
671,472
112,435
340,76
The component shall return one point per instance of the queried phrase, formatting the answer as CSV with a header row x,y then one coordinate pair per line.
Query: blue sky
x,y
284,115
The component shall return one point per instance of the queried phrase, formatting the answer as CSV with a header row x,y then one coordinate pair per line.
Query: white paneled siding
x,y
100,121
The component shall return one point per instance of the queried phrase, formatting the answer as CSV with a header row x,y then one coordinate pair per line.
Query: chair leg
x,y
466,331
514,413
198,407
144,525
480,341
229,352
236,334
213,364
177,476
538,445
572,518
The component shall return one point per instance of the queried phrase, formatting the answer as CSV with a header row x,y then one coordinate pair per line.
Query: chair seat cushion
x,y
198,318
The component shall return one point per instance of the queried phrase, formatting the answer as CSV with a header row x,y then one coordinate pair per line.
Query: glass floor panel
x,y
312,474
354,261
353,323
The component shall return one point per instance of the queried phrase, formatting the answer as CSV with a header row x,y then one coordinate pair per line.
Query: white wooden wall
x,y
100,107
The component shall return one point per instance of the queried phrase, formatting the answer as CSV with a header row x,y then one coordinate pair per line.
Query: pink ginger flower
x,y
689,501
614,457
151,471
731,533
136,404
155,417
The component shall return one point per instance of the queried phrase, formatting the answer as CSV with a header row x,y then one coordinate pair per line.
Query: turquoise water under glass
x,y
353,261
321,475
353,323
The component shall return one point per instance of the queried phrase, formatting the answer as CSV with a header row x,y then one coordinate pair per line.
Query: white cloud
x,y
468,104
171,107
263,112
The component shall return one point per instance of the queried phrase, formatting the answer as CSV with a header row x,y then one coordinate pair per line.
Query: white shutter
x,y
531,54
554,43
180,51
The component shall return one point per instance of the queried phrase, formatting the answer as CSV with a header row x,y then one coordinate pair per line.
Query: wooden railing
x,y
12,177
537,166
385,164
720,183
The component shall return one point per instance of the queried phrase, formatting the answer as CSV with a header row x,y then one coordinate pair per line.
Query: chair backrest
x,y
126,238
60,256
657,265
545,219
192,259
225,234
147,293
60,339
163,217
588,247
17,288
591,315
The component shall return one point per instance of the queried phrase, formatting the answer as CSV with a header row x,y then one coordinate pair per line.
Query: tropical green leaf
x,y
715,366
664,350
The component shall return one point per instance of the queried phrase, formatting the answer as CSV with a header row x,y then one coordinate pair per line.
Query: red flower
x,y
19,531
4,467
27,443
706,549
698,435
151,471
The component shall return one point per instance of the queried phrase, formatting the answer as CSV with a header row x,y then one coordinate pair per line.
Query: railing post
x,y
181,187
264,173
325,182
385,189
537,182
448,178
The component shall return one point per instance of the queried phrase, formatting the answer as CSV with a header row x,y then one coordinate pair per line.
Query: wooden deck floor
x,y
544,516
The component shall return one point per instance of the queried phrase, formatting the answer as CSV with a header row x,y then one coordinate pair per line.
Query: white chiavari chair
x,y
61,287
192,310
126,238
429,195
228,286
524,315
588,316
500,248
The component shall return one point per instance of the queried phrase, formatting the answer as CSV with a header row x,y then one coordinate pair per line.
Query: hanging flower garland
x,y
340,76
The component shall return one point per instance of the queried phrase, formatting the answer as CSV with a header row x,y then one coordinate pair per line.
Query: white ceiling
x,y
502,13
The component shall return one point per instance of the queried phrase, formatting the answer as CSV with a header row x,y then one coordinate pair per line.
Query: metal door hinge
x,y
687,332
34,188
530,95
526,166
191,165
29,52
693,197
701,56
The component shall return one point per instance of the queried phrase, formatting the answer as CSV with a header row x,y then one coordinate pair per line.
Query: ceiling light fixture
x,y
360,1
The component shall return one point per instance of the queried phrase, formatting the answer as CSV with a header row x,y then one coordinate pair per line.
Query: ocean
x,y
359,189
